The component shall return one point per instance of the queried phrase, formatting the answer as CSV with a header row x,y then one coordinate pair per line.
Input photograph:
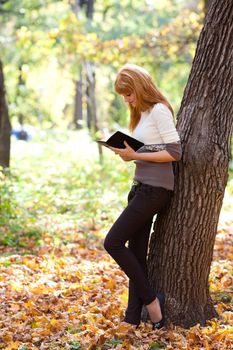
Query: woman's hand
x,y
126,153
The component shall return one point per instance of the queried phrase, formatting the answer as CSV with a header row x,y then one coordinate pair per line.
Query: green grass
x,y
57,179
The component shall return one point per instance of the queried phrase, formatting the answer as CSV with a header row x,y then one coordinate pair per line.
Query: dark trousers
x,y
134,225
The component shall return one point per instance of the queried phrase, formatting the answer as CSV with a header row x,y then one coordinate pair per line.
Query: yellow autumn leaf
x,y
35,324
7,338
55,322
29,304
44,332
111,284
12,346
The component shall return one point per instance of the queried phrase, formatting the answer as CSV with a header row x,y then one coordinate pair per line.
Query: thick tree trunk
x,y
181,245
5,126
207,4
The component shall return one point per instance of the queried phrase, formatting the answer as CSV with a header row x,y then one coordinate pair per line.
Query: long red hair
x,y
135,79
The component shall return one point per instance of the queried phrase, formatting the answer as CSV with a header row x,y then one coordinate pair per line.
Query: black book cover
x,y
117,141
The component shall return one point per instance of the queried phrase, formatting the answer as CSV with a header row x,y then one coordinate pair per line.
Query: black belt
x,y
136,183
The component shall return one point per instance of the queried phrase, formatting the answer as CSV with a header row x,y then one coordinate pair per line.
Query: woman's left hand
x,y
126,153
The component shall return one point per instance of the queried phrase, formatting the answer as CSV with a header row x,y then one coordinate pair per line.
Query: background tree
x,y
5,126
181,246
76,6
38,37
21,53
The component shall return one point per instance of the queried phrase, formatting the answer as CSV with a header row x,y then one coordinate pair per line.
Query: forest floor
x,y
59,288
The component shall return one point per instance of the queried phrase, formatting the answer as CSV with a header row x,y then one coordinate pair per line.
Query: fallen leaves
x,y
64,301
65,292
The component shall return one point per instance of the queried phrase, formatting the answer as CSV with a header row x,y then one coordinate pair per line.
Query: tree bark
x,y
181,246
5,126
207,4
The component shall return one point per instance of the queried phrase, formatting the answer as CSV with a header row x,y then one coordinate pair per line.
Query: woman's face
x,y
130,98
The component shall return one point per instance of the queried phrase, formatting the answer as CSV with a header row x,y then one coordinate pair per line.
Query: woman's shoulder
x,y
160,106
160,109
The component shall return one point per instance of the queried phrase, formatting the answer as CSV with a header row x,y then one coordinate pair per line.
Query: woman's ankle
x,y
154,310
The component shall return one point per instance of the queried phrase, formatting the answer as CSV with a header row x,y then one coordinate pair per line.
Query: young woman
x,y
151,122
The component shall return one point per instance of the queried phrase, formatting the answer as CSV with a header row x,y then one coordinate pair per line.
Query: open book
x,y
117,141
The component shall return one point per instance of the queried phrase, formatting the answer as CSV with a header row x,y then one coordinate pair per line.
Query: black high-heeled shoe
x,y
160,324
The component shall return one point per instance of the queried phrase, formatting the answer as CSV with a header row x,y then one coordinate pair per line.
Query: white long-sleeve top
x,y
156,129
156,126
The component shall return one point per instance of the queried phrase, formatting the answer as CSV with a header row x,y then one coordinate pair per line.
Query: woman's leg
x,y
139,246
146,202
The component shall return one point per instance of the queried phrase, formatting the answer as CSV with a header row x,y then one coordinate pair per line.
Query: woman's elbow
x,y
177,157
175,151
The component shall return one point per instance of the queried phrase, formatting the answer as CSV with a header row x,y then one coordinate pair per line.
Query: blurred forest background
x,y
60,57
57,200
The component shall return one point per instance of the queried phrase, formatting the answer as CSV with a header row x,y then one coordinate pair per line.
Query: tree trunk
x,y
5,126
181,245
90,79
91,99
92,121
21,84
207,4
90,9
78,101
78,108
89,104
